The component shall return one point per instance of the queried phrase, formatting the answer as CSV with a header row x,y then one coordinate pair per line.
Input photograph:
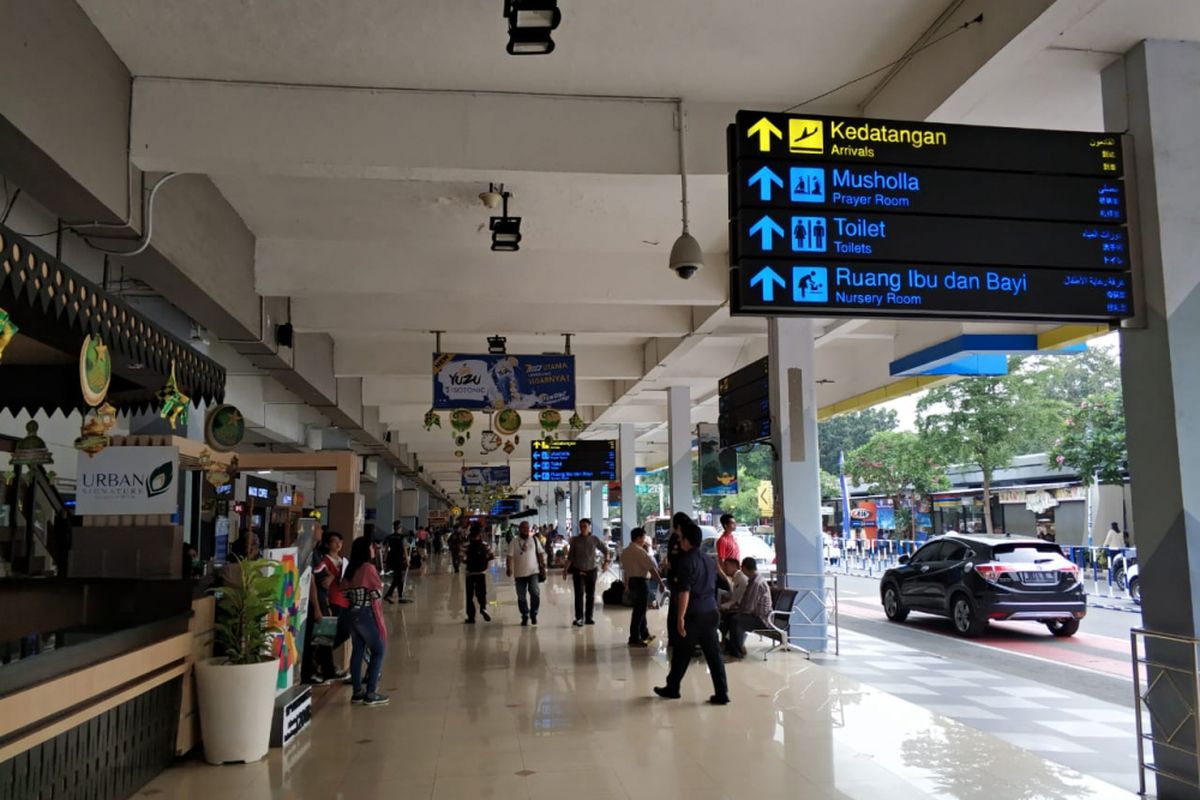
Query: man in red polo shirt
x,y
727,546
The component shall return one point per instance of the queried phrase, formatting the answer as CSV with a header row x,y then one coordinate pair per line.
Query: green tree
x,y
647,502
980,421
831,487
900,465
1075,378
1092,440
847,432
744,504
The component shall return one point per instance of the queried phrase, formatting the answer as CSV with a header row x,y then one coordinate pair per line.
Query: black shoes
x,y
638,644
589,622
469,621
719,700
524,621
486,616
666,692
577,623
533,619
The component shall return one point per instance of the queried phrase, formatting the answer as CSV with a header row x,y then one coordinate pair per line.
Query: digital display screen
x,y
881,141
894,289
579,460
744,408
502,508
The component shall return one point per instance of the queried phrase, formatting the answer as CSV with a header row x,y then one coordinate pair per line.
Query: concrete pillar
x,y
385,498
1151,92
627,455
799,561
597,507
324,485
560,510
576,505
422,507
679,449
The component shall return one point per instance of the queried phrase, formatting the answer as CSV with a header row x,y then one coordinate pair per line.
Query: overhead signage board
x,y
578,460
128,480
771,287
743,405
832,216
485,476
881,141
493,382
933,240
926,190
506,507
718,465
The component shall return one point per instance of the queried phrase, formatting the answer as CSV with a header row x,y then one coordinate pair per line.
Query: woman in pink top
x,y
363,589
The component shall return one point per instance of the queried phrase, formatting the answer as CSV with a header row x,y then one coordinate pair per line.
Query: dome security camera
x,y
490,199
686,256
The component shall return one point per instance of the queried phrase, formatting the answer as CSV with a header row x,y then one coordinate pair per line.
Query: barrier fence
x,y
1166,678
1099,567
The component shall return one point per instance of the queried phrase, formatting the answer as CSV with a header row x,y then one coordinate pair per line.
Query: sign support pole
x,y
628,461
798,544
679,447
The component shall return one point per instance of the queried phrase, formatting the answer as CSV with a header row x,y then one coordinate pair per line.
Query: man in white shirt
x,y
737,584
639,567
527,564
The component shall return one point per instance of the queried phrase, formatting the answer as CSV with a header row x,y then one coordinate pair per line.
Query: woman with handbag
x,y
368,634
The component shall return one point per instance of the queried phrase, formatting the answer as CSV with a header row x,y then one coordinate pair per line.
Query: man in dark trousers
x,y
639,567
479,557
455,543
587,556
697,619
397,562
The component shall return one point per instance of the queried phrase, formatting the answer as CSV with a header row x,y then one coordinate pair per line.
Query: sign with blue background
x,y
503,381
484,476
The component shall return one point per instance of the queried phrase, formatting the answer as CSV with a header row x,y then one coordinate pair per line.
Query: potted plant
x,y
237,690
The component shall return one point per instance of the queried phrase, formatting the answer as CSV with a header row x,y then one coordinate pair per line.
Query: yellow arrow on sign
x,y
764,129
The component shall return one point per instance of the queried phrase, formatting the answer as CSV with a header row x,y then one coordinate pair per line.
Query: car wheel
x,y
966,621
1135,590
1063,627
892,606
1119,579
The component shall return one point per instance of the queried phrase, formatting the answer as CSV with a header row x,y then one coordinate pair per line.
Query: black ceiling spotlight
x,y
506,230
529,25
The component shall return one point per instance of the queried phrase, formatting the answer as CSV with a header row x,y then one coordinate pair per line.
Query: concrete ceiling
x,y
362,193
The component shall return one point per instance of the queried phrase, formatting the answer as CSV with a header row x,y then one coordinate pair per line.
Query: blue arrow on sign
x,y
765,178
769,228
769,278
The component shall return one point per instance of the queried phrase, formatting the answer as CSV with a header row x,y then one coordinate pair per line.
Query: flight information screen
x,y
579,460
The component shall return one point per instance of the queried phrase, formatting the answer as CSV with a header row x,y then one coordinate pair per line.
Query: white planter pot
x,y
236,705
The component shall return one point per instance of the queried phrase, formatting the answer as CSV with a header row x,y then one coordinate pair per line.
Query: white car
x,y
748,545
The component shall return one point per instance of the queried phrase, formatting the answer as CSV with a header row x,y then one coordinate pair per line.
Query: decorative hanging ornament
x,y
174,402
95,370
216,473
489,441
432,420
8,329
549,419
576,422
93,433
29,452
224,428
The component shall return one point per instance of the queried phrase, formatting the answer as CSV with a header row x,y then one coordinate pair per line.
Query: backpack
x,y
614,595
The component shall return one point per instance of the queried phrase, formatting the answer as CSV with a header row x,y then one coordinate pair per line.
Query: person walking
x,y
586,557
397,562
696,620
455,543
751,612
478,557
638,566
674,553
527,565
368,634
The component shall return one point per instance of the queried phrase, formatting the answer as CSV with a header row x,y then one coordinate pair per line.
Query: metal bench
x,y
778,627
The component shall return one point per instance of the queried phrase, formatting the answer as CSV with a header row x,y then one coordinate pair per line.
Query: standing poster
x,y
128,480
503,381
288,613
718,468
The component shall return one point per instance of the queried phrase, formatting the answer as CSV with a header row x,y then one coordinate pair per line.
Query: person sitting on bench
x,y
752,611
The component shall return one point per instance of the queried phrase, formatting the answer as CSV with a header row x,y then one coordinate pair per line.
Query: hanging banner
x,y
503,381
718,468
479,477
128,480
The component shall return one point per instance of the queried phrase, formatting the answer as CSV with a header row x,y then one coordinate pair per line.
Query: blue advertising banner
x,y
477,477
503,381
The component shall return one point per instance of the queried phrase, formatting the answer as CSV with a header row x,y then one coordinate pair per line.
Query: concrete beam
x,y
223,127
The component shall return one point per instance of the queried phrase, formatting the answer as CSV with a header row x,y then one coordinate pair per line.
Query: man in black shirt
x,y
697,619
479,556
397,562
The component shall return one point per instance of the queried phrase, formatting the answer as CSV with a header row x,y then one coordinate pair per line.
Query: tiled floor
x,y
500,711
1069,728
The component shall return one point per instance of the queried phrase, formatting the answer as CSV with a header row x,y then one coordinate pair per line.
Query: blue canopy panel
x,y
974,354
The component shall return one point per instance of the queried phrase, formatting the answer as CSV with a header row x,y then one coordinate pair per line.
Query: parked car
x,y
748,545
1134,583
1120,568
976,578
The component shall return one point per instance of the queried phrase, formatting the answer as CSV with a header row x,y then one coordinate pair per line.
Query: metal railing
x,y
1177,734
871,558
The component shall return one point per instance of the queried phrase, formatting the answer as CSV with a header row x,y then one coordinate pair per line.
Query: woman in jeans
x,y
363,589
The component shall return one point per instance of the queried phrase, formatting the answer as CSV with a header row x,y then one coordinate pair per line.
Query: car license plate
x,y
1039,577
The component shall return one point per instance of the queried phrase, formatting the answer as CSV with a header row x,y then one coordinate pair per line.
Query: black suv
x,y
973,579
